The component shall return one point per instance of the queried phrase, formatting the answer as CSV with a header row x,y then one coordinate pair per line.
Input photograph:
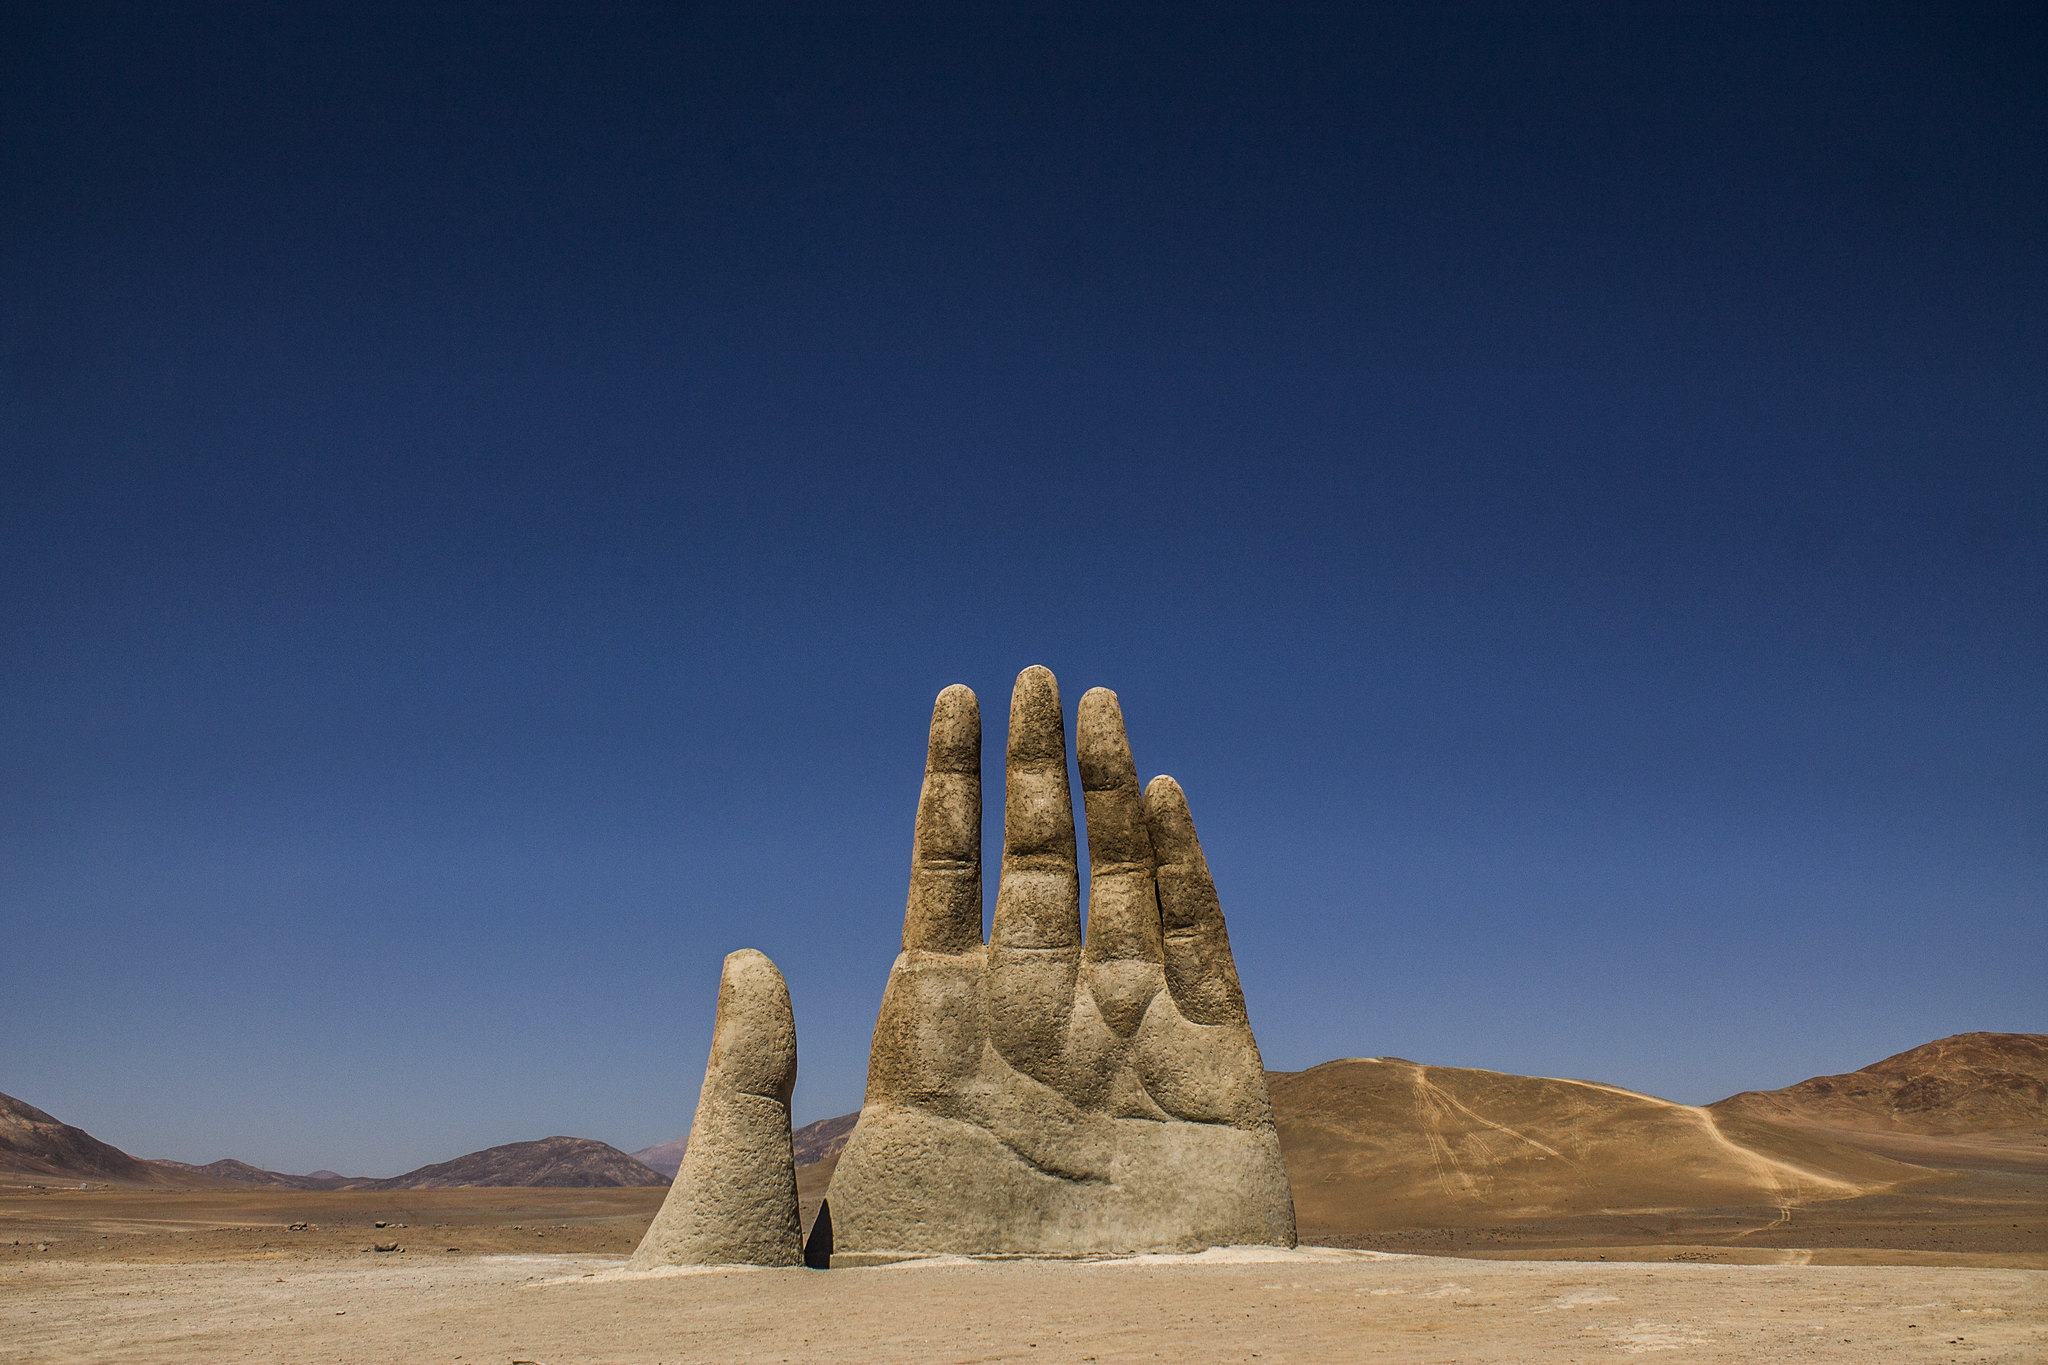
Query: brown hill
x,y
813,1143
826,1137
553,1163
1374,1143
1991,1085
34,1144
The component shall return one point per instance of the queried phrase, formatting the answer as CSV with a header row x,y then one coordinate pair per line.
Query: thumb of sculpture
x,y
734,1199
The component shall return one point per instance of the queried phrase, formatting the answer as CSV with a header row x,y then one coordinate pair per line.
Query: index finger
x,y
944,911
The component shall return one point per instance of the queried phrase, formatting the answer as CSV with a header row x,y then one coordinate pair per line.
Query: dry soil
x,y
1335,1307
116,1275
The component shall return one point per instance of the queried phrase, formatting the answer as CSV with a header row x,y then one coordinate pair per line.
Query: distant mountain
x,y
666,1157
556,1162
553,1163
1973,1084
34,1144
812,1143
242,1173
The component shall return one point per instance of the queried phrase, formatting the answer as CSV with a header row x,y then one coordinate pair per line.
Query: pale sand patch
x,y
1661,1336
1306,1307
1585,1298
623,1274
1252,1256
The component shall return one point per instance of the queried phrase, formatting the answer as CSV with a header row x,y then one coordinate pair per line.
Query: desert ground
x,y
505,1275
1269,1307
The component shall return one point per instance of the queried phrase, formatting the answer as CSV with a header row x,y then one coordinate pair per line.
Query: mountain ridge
x,y
242,1173
544,1163
1967,1084
1369,1139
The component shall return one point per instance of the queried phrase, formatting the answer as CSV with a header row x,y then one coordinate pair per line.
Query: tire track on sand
x,y
1436,1104
1786,1183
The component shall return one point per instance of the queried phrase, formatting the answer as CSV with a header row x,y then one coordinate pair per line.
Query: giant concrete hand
x,y
1046,1094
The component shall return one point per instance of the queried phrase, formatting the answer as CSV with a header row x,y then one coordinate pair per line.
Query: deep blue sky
x,y
490,495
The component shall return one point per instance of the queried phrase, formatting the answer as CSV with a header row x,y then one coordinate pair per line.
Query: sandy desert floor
x,y
536,1275
1308,1307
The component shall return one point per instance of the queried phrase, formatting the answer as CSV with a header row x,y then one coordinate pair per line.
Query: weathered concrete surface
x,y
734,1198
1050,1093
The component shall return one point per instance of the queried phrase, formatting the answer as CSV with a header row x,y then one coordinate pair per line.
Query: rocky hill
x,y
825,1138
553,1163
1975,1084
34,1144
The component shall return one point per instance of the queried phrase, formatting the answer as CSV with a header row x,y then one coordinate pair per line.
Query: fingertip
x,y
745,959
1036,731
753,1043
1101,744
956,732
1164,795
1171,823
751,982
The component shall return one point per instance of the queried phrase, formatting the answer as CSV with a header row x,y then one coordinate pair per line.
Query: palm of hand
x,y
1046,1093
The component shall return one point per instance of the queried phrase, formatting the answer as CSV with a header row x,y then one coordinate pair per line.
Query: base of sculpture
x,y
1231,1190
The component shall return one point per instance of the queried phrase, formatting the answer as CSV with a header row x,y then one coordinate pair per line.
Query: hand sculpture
x,y
1046,1094
733,1201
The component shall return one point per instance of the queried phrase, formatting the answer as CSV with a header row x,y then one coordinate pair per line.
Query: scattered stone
x,y
383,1246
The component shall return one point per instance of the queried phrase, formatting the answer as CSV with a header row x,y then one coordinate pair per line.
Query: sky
x,y
489,494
